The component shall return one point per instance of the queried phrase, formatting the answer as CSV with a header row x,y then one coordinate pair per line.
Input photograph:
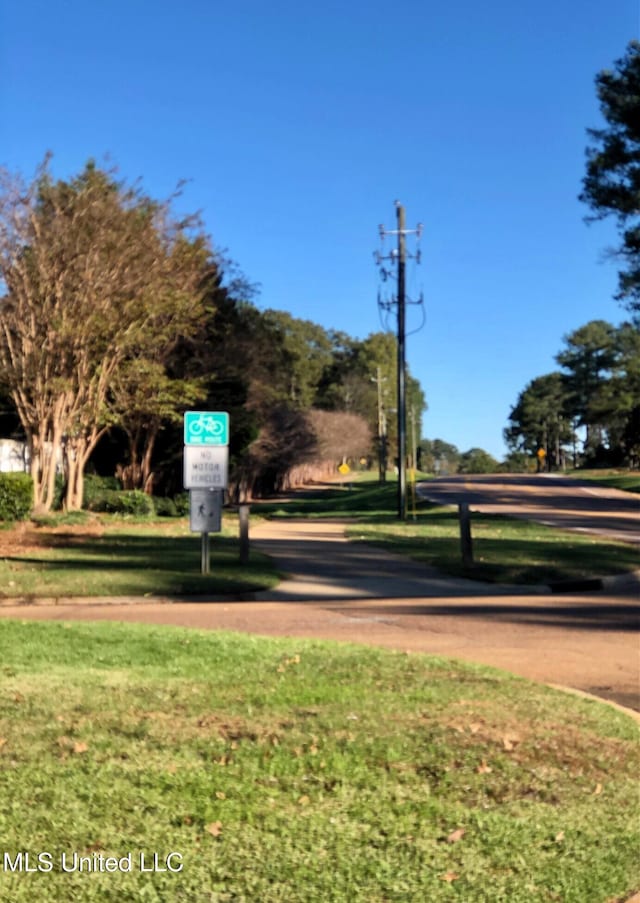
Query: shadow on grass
x,y
506,550
163,564
129,551
358,500
523,561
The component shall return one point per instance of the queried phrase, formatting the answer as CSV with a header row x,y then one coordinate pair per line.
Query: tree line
x,y
588,412
116,316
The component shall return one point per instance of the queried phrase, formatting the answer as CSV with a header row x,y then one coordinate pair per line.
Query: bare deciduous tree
x,y
86,265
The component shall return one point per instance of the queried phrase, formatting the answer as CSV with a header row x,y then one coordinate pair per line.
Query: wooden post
x,y
243,511
466,543
402,413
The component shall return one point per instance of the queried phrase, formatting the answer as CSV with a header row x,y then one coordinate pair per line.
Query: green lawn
x,y
300,771
625,480
111,556
364,498
506,550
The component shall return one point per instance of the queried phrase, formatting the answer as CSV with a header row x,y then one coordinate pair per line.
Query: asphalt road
x,y
548,498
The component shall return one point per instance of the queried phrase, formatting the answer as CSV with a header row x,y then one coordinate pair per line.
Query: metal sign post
x,y
206,474
205,557
205,516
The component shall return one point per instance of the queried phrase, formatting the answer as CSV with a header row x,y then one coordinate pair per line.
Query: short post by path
x,y
466,543
243,513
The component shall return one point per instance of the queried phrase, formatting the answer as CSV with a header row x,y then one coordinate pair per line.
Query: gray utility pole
x,y
400,256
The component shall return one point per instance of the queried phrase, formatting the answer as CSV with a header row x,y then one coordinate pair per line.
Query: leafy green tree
x,y
611,186
238,357
439,457
588,359
146,394
616,403
307,349
518,462
477,460
599,390
541,419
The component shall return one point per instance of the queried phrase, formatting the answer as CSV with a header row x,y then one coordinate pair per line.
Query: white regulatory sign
x,y
206,467
205,510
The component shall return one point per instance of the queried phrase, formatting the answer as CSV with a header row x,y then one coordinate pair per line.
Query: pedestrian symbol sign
x,y
205,510
206,428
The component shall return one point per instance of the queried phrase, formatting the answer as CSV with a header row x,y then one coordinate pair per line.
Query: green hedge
x,y
164,506
103,494
114,501
181,501
16,496
95,486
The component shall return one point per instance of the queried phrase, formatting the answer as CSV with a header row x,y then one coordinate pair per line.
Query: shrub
x,y
114,501
16,496
165,507
181,502
95,486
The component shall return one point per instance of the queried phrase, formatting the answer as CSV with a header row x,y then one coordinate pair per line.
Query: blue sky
x,y
298,126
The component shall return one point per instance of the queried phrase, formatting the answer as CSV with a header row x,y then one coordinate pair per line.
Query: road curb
x,y
635,716
617,583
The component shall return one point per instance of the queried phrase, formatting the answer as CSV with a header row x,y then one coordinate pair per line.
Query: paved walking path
x,y
320,563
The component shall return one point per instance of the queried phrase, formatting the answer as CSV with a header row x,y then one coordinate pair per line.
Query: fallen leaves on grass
x,y
449,877
510,741
287,662
215,828
456,835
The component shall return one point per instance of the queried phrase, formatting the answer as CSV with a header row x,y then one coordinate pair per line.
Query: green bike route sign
x,y
206,428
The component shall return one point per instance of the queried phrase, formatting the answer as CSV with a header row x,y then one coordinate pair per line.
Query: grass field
x,y
625,480
301,771
506,550
110,556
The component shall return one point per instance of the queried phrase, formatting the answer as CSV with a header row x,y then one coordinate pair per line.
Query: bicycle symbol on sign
x,y
206,428
207,425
